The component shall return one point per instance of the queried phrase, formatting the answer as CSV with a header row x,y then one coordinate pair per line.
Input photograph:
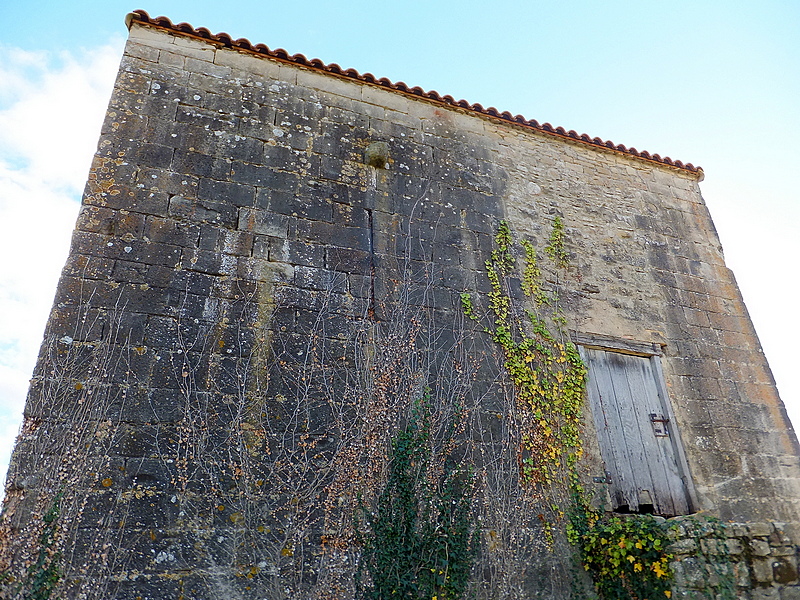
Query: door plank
x,y
631,434
646,402
612,422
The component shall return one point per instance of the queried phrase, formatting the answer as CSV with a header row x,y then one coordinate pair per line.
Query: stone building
x,y
281,268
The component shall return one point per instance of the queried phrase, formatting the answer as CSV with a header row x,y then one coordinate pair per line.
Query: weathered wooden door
x,y
638,442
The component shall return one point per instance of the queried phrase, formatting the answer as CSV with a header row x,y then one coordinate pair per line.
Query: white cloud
x,y
51,109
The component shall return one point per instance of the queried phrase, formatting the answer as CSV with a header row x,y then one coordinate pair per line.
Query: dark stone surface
x,y
249,309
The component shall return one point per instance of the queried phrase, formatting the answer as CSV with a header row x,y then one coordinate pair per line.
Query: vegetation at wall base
x,y
420,540
626,556
44,574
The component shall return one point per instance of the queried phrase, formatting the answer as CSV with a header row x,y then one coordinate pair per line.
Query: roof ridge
x,y
226,40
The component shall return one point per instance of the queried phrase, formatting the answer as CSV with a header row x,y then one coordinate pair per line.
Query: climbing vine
x,y
44,573
626,556
555,248
419,542
543,365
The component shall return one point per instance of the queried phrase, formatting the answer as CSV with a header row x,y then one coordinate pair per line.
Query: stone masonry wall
x,y
266,277
747,561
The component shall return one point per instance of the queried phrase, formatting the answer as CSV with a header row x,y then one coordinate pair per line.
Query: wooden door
x,y
637,439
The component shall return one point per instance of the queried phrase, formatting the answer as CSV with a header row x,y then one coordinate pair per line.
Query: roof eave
x,y
242,44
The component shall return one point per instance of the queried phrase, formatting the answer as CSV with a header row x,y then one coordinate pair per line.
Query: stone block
x,y
263,223
163,180
203,261
171,232
712,547
320,279
203,211
150,37
741,573
201,165
144,441
784,570
229,104
171,59
235,147
306,206
353,238
347,260
790,550
277,273
297,253
110,222
238,243
683,546
224,192
120,122
131,272
212,237
762,570
147,407
329,85
689,572
790,593
143,52
208,120
734,547
206,67
161,332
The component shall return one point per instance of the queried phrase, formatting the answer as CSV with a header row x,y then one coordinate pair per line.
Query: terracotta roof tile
x,y
226,40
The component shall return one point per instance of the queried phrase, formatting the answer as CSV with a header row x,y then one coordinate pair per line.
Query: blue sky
x,y
708,82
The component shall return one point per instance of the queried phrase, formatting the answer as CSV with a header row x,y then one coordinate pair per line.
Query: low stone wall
x,y
741,561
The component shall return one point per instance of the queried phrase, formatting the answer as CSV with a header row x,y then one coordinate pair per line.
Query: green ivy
x,y
626,556
555,248
44,573
532,275
420,541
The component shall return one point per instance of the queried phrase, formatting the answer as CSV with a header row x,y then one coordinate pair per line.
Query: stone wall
x,y
266,276
747,561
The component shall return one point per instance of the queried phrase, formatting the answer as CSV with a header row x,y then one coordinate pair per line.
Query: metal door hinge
x,y
605,479
659,423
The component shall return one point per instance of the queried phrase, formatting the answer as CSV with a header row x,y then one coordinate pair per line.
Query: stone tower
x,y
287,279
